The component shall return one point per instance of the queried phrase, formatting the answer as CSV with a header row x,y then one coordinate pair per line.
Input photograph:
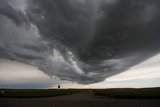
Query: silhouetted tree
x,y
59,86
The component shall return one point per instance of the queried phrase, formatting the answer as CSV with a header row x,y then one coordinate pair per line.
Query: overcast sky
x,y
87,42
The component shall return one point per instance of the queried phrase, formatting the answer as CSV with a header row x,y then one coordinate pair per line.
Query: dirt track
x,y
82,99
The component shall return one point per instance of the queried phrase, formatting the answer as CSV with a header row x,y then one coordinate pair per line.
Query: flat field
x,y
80,98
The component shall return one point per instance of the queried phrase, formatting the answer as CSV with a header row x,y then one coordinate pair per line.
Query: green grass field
x,y
33,93
149,93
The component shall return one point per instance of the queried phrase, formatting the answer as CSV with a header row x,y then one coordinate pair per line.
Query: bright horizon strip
x,y
145,70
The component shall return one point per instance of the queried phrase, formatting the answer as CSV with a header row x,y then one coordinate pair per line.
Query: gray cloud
x,y
80,40
7,10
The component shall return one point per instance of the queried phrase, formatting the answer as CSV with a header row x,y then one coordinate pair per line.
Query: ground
x,y
81,99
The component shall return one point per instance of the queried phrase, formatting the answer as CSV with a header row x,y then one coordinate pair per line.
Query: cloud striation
x,y
83,41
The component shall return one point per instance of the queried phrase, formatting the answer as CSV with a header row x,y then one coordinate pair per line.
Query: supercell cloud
x,y
83,41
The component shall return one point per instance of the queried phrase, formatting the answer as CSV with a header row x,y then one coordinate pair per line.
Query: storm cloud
x,y
83,41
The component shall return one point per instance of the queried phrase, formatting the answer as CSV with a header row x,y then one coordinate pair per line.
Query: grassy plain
x,y
130,93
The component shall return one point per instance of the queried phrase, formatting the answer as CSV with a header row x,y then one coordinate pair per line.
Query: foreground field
x,y
34,93
85,98
128,93
146,93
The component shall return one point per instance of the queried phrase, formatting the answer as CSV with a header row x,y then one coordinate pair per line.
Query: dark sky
x,y
83,41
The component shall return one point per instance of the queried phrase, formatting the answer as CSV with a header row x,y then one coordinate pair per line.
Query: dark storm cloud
x,y
19,40
81,40
16,16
